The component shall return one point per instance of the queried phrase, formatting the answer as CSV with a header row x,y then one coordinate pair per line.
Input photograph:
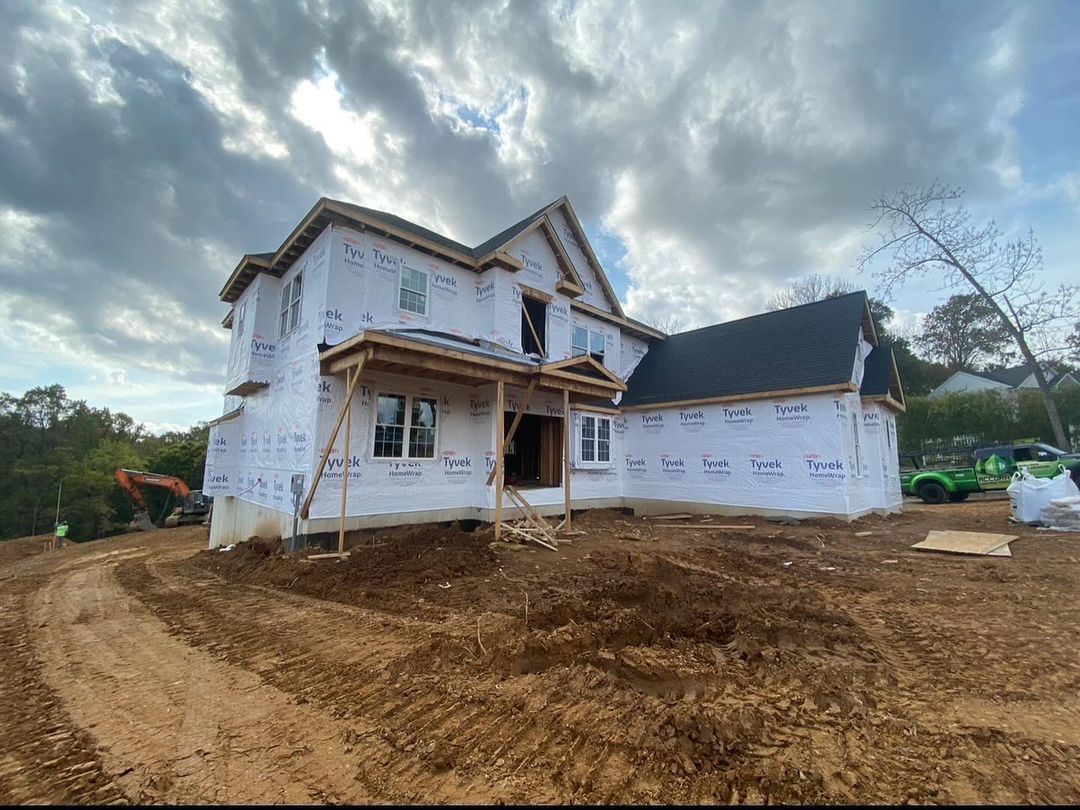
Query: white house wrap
x,y
792,411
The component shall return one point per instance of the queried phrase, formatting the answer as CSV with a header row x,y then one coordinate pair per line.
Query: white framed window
x,y
594,440
240,317
291,294
405,426
413,290
857,444
587,341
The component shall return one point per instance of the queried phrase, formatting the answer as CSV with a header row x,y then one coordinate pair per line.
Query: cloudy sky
x,y
713,150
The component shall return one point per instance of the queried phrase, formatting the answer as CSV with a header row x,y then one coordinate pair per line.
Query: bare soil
x,y
640,663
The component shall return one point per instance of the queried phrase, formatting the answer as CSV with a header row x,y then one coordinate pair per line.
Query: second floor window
x,y
587,341
413,290
290,305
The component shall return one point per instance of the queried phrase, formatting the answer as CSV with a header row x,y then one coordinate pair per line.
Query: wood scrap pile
x,y
532,526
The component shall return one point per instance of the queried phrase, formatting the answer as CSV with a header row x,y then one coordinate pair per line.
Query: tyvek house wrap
x,y
770,454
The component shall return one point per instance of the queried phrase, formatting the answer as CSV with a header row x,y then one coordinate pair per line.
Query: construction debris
x,y
954,542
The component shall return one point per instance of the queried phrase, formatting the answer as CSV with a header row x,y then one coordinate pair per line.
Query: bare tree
x,y
669,324
814,287
928,230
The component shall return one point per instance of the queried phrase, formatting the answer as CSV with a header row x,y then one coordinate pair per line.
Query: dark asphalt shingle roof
x,y
801,347
877,373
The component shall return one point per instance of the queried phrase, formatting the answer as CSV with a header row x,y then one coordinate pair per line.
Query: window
x,y
240,318
1022,454
595,440
413,290
596,346
858,446
533,326
399,417
579,341
290,305
587,341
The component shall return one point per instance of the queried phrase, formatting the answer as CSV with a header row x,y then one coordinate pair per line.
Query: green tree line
x,y
49,442
985,417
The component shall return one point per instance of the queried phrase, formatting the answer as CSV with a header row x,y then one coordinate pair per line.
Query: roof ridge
x,y
772,312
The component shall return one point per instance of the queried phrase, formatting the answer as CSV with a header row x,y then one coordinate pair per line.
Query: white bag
x,y
1029,495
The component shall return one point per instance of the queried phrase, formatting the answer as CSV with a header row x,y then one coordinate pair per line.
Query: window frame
x,y
858,445
288,302
594,441
589,335
426,293
407,427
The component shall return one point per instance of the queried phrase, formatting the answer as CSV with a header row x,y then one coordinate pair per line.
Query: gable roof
x,y
1011,377
490,252
806,347
881,380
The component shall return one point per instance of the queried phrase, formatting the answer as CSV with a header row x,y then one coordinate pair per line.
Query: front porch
x,y
541,451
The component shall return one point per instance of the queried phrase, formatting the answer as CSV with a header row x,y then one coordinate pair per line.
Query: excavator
x,y
193,505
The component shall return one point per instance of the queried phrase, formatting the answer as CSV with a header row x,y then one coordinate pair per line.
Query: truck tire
x,y
932,492
956,497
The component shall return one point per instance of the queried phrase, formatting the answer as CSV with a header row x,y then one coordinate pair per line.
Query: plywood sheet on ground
x,y
967,543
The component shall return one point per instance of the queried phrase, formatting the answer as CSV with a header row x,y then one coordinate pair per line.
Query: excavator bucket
x,y
142,523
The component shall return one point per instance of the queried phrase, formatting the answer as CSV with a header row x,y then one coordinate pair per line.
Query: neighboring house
x,y
441,345
1005,379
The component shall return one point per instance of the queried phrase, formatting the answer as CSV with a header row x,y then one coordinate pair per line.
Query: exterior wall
x,y
254,332
786,455
962,381
879,431
594,292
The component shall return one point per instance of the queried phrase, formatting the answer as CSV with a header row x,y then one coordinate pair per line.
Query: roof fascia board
x,y
868,320
585,360
847,387
636,328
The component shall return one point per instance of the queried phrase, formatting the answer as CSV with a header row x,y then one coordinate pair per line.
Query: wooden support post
x,y
348,456
517,420
499,445
566,457
333,436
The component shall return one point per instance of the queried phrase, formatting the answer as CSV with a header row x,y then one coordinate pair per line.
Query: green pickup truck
x,y
983,470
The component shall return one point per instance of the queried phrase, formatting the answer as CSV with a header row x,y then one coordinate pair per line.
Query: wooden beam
x,y
566,458
333,437
498,457
787,392
345,466
623,323
517,419
539,295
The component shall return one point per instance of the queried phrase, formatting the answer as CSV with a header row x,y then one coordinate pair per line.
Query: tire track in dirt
x,y
566,733
174,724
45,758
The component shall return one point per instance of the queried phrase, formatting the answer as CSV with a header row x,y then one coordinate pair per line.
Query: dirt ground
x,y
641,663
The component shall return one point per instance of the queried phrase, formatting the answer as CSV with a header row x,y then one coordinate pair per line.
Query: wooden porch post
x,y
348,456
499,446
566,455
333,436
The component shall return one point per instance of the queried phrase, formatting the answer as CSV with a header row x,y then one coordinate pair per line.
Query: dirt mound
x,y
402,560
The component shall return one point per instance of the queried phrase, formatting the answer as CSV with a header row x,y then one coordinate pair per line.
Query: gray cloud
x,y
730,147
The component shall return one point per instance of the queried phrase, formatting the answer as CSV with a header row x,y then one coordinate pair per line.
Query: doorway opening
x,y
533,458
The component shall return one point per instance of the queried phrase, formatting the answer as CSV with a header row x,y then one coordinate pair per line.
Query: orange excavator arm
x,y
130,480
